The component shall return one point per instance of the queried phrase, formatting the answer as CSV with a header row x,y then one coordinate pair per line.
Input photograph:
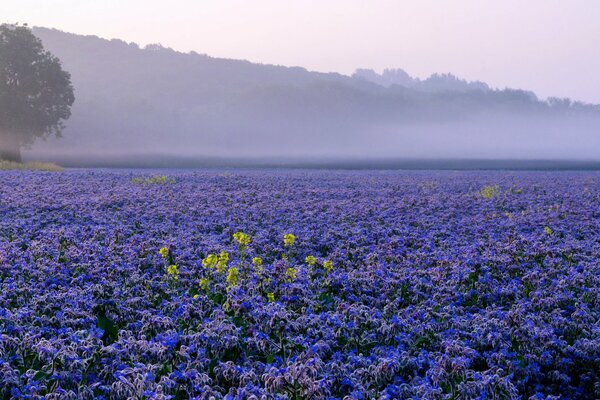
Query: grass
x,y
154,180
29,166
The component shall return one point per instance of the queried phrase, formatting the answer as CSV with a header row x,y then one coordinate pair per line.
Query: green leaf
x,y
40,375
111,332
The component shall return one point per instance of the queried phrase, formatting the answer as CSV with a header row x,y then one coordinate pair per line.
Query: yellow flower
x,y
328,266
547,230
222,263
241,238
164,252
223,256
232,277
270,297
310,260
291,274
196,296
257,261
288,239
173,271
203,283
487,192
210,261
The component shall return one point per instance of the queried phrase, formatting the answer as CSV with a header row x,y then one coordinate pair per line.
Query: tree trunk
x,y
10,148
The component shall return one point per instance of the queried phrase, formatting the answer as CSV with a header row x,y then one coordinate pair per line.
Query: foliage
x,y
35,93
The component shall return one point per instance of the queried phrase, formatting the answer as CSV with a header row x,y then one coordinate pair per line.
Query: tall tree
x,y
35,93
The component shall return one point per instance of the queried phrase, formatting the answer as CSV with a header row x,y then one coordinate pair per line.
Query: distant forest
x,y
157,101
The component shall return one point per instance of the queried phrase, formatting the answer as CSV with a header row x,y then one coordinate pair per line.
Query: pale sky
x,y
551,47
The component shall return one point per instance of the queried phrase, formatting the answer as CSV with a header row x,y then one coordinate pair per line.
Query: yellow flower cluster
x,y
257,261
210,261
218,261
291,273
241,238
203,283
327,265
164,252
232,277
547,230
288,239
489,191
222,263
173,271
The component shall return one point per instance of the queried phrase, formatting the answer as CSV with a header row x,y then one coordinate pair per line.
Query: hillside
x,y
154,100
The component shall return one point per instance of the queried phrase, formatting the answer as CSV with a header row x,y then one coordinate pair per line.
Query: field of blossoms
x,y
248,284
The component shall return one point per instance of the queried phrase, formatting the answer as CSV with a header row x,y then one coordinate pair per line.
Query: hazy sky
x,y
551,47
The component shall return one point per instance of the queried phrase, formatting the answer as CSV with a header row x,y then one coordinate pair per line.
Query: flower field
x,y
299,285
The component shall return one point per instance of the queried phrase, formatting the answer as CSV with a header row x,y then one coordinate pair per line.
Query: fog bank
x,y
155,101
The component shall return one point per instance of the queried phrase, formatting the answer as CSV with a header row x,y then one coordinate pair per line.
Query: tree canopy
x,y
35,92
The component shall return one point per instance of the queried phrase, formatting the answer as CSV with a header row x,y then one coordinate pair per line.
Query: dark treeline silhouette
x,y
154,100
435,83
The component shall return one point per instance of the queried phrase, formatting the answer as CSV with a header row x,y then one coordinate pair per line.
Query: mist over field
x,y
152,102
